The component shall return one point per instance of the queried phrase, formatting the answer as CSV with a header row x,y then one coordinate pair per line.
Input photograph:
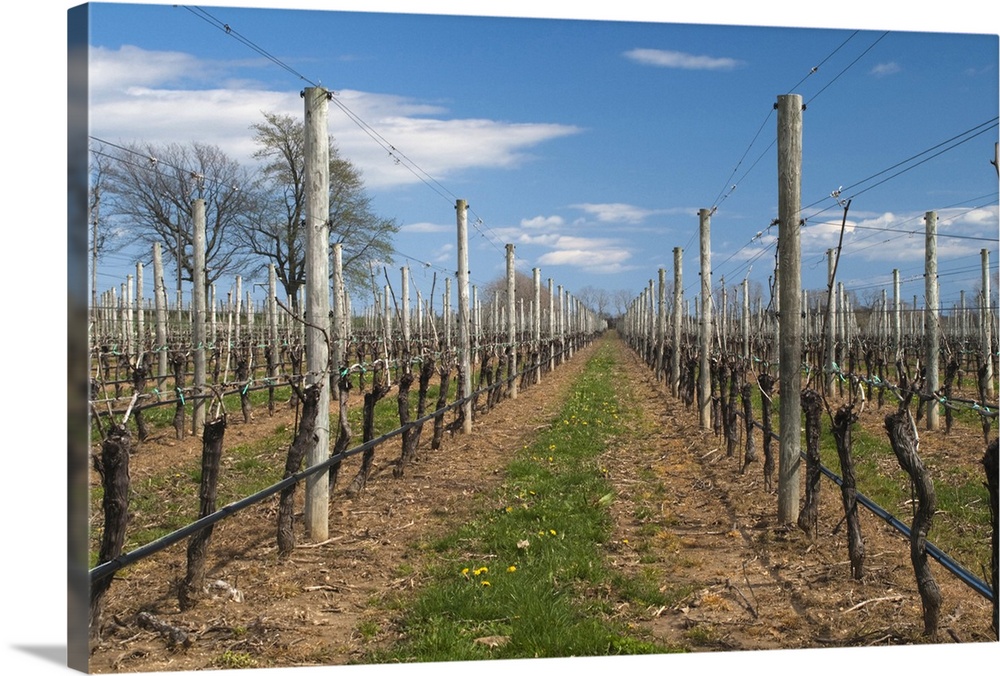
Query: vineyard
x,y
272,490
202,557
354,465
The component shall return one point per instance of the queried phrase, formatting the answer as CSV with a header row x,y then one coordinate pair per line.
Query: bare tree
x,y
275,232
524,288
100,242
598,300
152,187
621,298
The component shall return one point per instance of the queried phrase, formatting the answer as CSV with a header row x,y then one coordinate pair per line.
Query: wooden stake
x,y
790,298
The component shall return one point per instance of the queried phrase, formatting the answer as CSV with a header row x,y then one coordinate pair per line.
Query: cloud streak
x,y
666,58
616,212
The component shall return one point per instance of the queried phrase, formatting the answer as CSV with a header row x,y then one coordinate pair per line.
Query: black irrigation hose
x,y
949,563
111,567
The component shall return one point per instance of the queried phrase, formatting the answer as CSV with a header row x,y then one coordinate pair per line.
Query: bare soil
x,y
684,515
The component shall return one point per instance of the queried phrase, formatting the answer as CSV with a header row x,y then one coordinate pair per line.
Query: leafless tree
x,y
152,188
274,230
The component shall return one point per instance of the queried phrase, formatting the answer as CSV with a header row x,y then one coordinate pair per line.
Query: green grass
x,y
522,578
160,504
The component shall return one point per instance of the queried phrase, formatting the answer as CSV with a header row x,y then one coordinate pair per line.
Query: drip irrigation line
x,y
936,553
952,566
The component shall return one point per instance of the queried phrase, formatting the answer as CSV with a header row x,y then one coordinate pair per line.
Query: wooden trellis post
x,y
790,299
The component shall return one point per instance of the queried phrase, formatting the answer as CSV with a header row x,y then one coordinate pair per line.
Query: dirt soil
x,y
748,583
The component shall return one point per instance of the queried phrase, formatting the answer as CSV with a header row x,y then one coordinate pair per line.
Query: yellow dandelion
x,y
465,571
509,509
511,569
486,583
552,531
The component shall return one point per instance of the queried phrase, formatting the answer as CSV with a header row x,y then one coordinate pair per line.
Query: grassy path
x,y
528,577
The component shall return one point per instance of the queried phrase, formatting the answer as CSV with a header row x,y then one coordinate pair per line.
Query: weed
x,y
235,660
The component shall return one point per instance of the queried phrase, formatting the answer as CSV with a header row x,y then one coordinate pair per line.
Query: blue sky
x,y
591,145
657,139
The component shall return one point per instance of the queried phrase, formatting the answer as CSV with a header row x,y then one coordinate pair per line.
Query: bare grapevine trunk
x,y
305,439
730,409
178,361
139,376
990,465
809,515
750,450
903,438
842,421
445,371
112,465
344,427
379,389
211,458
243,376
766,382
403,407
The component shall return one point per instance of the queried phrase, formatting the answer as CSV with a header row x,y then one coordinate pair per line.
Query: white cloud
x,y
132,66
818,237
666,58
160,97
597,261
886,68
539,222
425,227
616,212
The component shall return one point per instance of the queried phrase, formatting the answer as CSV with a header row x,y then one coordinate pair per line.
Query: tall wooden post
x,y
931,326
723,318
552,326
404,318
831,326
446,313
790,297
705,324
511,323
561,302
160,304
272,320
986,319
339,321
461,210
198,314
745,321
661,322
536,323
675,356
317,189
897,316
140,311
